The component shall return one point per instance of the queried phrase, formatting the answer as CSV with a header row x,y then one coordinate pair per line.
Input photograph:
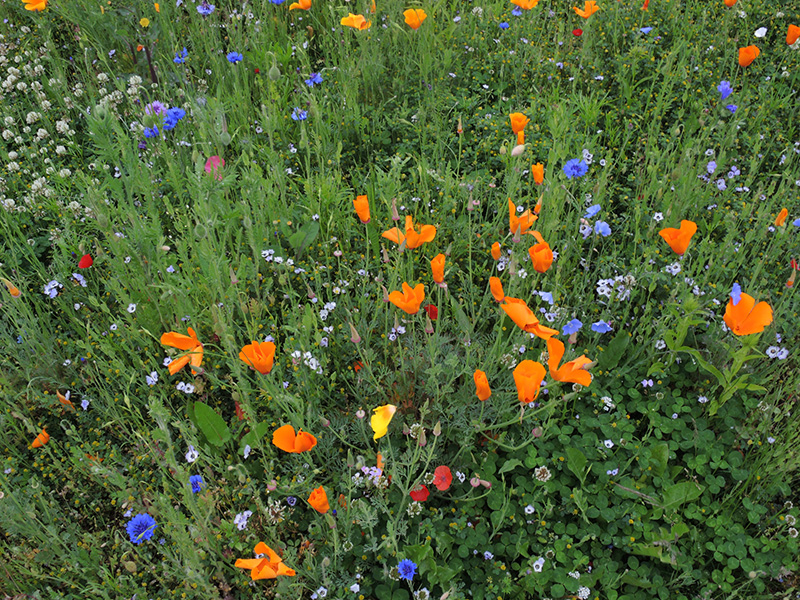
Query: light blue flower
x,y
601,327
602,228
572,327
575,168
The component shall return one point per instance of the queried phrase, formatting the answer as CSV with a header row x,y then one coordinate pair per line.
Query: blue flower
x,y
601,327
277,1
646,30
197,483
517,12
796,222
732,108
299,114
547,297
592,211
141,527
234,57
602,228
172,117
736,293
572,327
314,78
151,132
575,168
407,569
291,500
725,89
504,25
205,8
180,57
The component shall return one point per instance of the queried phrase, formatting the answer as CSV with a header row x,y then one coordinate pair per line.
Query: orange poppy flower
x,y
356,22
414,17
541,254
525,4
589,8
37,5
482,389
525,319
409,299
319,500
497,289
747,317
730,3
41,439
301,4
572,371
65,400
380,420
361,204
285,439
260,356
12,289
184,342
538,208
496,251
437,268
411,237
518,121
373,7
646,4
793,34
519,224
528,378
537,171
781,220
268,567
747,55
678,239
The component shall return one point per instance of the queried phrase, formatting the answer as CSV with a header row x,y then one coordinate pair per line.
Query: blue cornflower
x,y
602,228
299,115
205,8
517,12
732,107
172,117
234,57
592,211
277,1
646,30
725,89
197,483
314,79
180,57
575,168
504,25
601,327
141,527
572,327
151,132
407,569
736,294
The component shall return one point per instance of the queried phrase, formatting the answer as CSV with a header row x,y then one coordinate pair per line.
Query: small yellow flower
x,y
144,22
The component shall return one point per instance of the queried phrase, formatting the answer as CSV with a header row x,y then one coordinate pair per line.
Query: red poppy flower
x,y
577,32
85,262
432,311
442,478
257,70
420,494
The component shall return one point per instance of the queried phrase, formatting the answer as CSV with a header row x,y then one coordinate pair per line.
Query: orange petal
x,y
177,364
555,350
284,438
304,441
757,320
178,340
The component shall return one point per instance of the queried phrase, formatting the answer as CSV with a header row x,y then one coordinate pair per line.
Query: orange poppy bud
x,y
589,8
414,17
301,4
646,4
269,567
747,317
373,8
437,268
356,22
319,500
380,420
496,251
12,289
537,171
541,254
572,371
792,277
793,34
524,318
518,122
538,208
157,7
361,204
482,389
678,239
525,4
184,342
65,400
730,3
528,378
410,299
781,220
497,289
285,439
460,128
41,439
747,55
260,356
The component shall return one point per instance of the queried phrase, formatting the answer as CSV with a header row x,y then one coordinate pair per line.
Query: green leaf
x,y
461,317
685,491
611,356
258,432
576,462
509,466
304,237
211,424
660,455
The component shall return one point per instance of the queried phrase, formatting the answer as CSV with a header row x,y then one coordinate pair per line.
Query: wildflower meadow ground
x,y
395,300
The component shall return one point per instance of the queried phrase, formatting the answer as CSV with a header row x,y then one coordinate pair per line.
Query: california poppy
x,y
361,204
541,254
356,22
409,299
496,250
410,236
381,418
268,567
41,439
525,319
301,4
414,17
571,371
678,239
184,342
437,268
537,171
37,5
497,289
519,224
85,262
518,123
730,3
747,55
589,8
747,317
482,389
65,400
793,34
528,376
646,4
781,220
525,4
259,355
319,500
373,7
442,478
419,493
12,289
285,439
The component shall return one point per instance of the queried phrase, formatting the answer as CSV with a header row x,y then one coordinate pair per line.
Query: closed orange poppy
x,y
410,236
260,356
268,567
285,439
437,268
414,17
184,342
497,289
319,500
361,204
41,439
496,250
781,220
572,371
409,299
793,34
528,376
525,4
356,22
537,171
519,224
518,121
589,8
481,385
525,319
301,4
747,55
747,317
12,289
730,3
541,254
678,239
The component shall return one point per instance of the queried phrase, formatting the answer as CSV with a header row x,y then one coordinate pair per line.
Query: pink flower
x,y
215,163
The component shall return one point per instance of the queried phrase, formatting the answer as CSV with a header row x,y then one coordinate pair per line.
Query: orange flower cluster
x,y
269,567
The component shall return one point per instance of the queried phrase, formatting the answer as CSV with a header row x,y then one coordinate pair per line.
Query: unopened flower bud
x,y
272,485
437,429
517,150
354,337
395,214
475,482
274,73
423,440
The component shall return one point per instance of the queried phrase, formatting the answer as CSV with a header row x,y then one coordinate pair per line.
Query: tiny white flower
x,y
608,444
192,455
760,32
131,308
